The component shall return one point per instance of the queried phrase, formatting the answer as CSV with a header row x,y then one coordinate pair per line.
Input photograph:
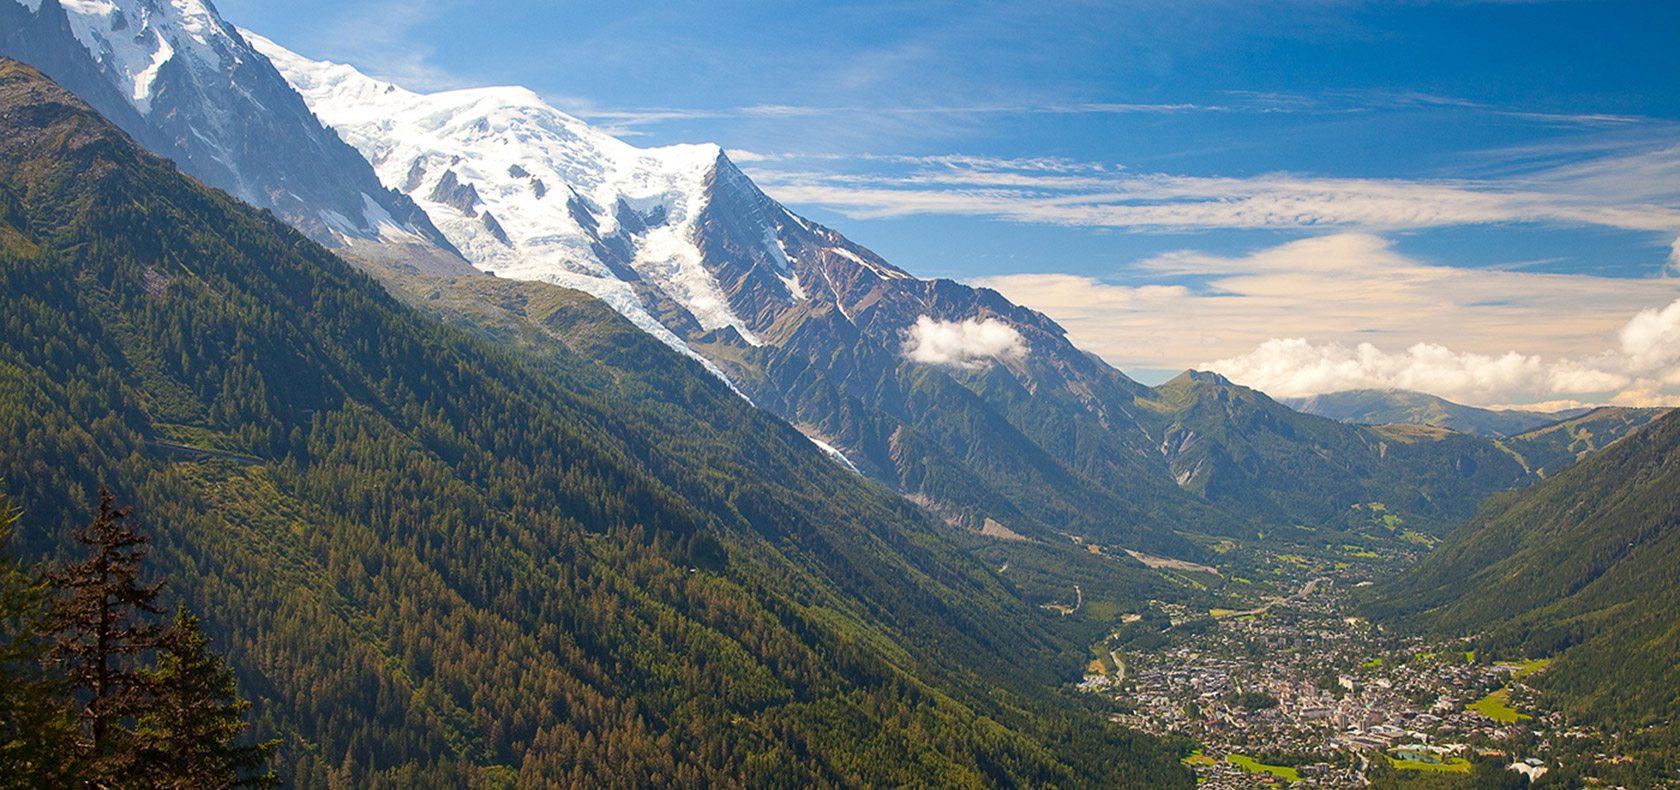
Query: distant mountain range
x,y
1236,446
1382,407
1553,448
1543,442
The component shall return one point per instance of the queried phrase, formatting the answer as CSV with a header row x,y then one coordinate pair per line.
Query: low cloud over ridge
x,y
968,343
1372,316
1633,374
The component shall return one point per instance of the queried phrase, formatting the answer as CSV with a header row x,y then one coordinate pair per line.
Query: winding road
x,y
1306,590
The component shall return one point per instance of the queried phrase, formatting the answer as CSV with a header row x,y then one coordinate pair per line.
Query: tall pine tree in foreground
x,y
99,633
187,733
171,726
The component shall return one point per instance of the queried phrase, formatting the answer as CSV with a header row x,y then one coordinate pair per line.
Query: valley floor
x,y
1293,690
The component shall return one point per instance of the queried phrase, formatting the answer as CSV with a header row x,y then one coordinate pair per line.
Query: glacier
x,y
186,85
526,191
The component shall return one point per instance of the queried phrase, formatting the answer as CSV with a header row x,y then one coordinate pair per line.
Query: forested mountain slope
x,y
1550,449
440,561
1582,567
1023,430
1542,442
1044,568
1239,448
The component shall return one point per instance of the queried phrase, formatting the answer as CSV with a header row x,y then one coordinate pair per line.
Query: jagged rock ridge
x,y
185,84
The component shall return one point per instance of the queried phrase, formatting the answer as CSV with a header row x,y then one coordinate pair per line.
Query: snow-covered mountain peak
x,y
186,85
492,131
134,40
527,191
676,238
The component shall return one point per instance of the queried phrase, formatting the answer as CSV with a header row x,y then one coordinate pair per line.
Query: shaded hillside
x,y
442,562
1035,436
1581,566
1239,448
536,316
1548,450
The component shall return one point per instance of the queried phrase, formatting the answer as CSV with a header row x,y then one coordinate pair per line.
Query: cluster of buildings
x,y
1302,685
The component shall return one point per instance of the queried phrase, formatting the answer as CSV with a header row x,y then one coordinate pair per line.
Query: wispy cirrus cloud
x,y
1233,103
1171,203
627,117
1633,191
955,162
637,121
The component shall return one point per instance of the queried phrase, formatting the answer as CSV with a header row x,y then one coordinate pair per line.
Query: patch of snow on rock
x,y
136,42
501,142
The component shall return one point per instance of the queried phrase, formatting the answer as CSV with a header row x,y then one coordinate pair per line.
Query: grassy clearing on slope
x,y
1497,706
1530,667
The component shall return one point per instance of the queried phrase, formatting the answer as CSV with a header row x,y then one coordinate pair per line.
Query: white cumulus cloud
x,y
1634,374
1294,367
966,343
1651,340
1349,287
1349,311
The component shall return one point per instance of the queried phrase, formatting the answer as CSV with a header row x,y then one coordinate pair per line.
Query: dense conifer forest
x,y
434,560
97,690
1579,568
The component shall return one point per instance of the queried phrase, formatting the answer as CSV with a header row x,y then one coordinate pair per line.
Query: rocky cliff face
x,y
1023,429
187,86
977,408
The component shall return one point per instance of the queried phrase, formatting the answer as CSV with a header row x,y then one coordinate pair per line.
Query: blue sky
x,y
1473,199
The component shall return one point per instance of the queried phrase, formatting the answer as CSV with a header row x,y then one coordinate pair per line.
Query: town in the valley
x,y
1295,690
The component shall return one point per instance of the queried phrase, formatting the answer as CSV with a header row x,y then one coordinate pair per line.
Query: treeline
x,y
434,561
1486,773
1575,765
